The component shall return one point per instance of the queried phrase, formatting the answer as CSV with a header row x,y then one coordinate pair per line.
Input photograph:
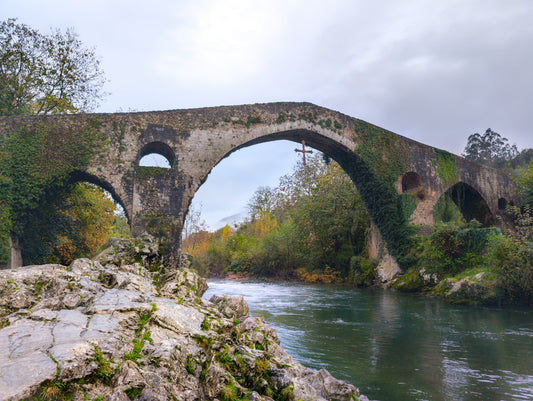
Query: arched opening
x,y
76,220
502,203
462,201
281,145
156,154
379,197
295,224
97,213
412,184
83,176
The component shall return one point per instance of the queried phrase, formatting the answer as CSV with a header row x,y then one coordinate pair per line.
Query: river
x,y
396,346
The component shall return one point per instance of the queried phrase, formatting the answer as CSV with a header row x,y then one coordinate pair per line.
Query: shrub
x,y
512,261
453,248
362,271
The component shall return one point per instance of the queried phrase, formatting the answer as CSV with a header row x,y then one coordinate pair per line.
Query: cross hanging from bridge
x,y
303,151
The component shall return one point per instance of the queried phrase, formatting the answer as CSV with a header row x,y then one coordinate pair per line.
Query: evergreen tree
x,y
490,149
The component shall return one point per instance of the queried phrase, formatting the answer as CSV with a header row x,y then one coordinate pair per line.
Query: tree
x,y
88,216
314,221
490,149
263,201
46,74
332,219
525,184
42,74
39,165
192,223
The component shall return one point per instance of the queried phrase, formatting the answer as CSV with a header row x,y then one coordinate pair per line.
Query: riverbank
x,y
122,328
476,287
398,346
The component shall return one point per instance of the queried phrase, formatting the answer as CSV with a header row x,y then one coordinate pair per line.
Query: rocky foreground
x,y
120,328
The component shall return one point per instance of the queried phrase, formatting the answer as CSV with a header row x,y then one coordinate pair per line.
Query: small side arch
x,y
83,176
158,148
468,201
411,183
502,203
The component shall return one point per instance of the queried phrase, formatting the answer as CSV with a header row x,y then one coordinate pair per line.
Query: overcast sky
x,y
434,71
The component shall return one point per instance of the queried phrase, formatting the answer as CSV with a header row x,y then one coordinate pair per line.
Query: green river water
x,y
397,346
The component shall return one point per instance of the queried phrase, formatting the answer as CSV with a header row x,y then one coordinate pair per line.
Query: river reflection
x,y
396,346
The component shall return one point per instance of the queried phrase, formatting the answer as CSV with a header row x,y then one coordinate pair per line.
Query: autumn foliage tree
x,y
311,226
44,74
88,215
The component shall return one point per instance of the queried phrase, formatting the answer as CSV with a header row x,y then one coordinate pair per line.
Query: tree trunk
x,y
15,256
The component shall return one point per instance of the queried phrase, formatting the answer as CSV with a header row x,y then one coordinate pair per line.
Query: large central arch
x,y
379,198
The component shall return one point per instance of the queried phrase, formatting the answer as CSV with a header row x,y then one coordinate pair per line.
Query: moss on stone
x,y
146,173
446,167
410,281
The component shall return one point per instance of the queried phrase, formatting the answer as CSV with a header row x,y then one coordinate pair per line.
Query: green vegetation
x,y
53,390
38,165
230,393
490,149
524,181
446,211
142,335
133,392
382,159
310,227
486,265
46,74
446,168
104,371
407,205
451,249
251,120
120,228
41,210
145,173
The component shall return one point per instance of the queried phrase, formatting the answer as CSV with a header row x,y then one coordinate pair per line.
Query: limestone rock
x,y
329,387
183,283
131,332
231,306
177,318
128,376
387,269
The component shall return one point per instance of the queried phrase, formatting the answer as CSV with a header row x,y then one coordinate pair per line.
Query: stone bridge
x,y
386,168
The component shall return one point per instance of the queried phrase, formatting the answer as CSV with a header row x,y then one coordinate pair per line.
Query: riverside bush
x,y
362,271
452,248
512,261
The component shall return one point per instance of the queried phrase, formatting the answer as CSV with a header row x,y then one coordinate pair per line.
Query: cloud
x,y
439,72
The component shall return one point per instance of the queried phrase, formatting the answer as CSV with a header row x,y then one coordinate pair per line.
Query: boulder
x,y
113,329
231,306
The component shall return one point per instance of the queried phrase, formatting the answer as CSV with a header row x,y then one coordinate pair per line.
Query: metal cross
x,y
303,151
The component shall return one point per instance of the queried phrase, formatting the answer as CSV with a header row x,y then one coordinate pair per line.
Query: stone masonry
x,y
195,140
